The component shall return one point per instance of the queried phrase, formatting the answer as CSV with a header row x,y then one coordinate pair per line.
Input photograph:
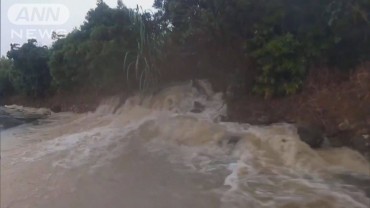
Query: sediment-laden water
x,y
155,152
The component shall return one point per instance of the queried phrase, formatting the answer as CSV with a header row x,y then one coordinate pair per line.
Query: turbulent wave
x,y
171,149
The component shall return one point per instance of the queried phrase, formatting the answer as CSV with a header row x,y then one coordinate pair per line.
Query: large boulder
x,y
312,136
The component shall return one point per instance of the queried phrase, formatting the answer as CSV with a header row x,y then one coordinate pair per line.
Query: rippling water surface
x,y
153,152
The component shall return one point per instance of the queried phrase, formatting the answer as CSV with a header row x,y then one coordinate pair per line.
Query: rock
x,y
9,122
198,107
56,109
361,143
311,135
233,140
11,116
25,113
341,139
229,141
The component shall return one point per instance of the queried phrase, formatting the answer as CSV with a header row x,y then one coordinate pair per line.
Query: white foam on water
x,y
153,151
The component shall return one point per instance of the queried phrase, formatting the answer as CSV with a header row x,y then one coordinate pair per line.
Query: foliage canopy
x,y
273,43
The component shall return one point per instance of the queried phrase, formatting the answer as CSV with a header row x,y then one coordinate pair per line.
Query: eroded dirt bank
x,y
339,109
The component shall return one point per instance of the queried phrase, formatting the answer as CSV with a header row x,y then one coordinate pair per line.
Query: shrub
x,y
284,37
282,66
30,74
93,55
6,88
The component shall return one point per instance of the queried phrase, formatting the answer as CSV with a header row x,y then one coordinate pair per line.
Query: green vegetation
x,y
281,39
5,68
93,55
269,46
282,66
30,73
140,63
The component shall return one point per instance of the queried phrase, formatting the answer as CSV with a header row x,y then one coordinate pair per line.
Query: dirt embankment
x,y
338,105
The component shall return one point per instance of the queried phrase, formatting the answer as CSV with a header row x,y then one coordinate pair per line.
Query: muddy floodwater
x,y
158,151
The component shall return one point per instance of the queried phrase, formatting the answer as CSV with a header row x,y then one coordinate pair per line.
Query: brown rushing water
x,y
153,152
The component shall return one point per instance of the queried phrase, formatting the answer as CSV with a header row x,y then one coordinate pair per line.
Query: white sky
x,y
11,33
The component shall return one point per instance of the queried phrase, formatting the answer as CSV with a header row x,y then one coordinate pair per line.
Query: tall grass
x,y
140,64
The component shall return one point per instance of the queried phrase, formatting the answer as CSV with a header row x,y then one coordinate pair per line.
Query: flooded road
x,y
155,151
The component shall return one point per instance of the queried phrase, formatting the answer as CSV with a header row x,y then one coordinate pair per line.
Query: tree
x,y
327,32
30,74
6,87
57,36
99,2
92,56
120,4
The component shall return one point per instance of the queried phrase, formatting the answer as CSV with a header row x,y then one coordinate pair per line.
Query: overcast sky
x,y
18,24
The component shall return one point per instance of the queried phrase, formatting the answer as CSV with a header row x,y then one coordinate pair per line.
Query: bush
x,y
282,66
140,62
270,44
93,56
30,74
284,37
6,87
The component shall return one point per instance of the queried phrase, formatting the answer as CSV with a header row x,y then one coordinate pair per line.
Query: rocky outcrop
x,y
312,136
14,115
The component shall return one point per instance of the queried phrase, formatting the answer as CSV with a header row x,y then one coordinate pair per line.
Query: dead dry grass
x,y
331,100
338,101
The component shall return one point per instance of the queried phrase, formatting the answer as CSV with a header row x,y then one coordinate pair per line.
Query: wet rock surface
x,y
312,136
11,116
362,144
7,121
359,142
198,107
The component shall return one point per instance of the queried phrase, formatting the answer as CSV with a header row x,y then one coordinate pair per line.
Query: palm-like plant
x,y
140,63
